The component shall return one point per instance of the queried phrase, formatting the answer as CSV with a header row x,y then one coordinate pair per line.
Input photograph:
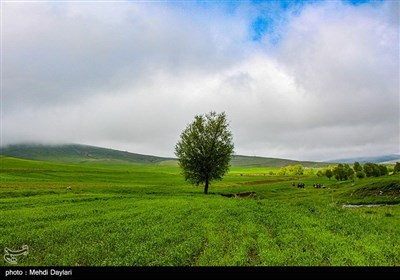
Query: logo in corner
x,y
10,255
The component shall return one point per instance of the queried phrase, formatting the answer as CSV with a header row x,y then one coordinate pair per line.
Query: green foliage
x,y
309,171
343,172
383,170
396,168
360,174
205,149
357,166
340,172
291,170
376,170
329,173
350,172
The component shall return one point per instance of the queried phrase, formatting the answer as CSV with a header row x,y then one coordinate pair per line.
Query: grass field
x,y
147,215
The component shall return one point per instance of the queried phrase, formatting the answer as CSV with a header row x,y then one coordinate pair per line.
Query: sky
x,y
305,80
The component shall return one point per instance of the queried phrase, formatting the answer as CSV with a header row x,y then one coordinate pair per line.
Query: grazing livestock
x,y
300,185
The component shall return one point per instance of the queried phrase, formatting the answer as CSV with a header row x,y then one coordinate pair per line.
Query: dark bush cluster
x,y
344,172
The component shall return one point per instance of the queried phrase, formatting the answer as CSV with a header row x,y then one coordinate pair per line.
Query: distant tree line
x,y
343,172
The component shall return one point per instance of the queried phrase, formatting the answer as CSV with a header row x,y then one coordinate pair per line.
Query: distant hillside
x,y
254,161
75,153
384,159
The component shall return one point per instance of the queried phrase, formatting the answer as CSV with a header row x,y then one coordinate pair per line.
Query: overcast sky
x,y
307,80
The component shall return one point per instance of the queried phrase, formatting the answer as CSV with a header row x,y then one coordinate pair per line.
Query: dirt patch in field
x,y
263,182
242,194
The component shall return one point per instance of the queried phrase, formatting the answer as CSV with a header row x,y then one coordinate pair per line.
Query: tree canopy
x,y
205,149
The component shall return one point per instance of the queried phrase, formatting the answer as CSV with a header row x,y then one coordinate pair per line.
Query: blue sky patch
x,y
272,13
260,26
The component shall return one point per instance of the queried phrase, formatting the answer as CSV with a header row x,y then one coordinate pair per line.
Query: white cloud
x,y
131,76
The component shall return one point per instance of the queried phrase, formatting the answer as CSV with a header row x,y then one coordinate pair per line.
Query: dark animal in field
x,y
300,185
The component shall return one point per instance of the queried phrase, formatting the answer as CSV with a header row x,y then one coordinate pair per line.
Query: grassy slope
x,y
77,154
147,215
90,154
252,161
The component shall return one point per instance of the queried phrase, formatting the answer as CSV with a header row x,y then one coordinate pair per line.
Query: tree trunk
x,y
206,187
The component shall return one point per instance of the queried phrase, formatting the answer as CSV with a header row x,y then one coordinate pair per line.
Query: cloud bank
x,y
319,81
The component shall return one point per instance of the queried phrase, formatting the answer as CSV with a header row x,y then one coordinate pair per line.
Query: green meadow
x,y
147,215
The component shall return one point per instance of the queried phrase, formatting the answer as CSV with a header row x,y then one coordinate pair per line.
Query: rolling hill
x,y
254,161
383,159
76,153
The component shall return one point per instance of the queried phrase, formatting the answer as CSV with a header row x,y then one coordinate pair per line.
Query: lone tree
x,y
205,149
329,173
396,168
